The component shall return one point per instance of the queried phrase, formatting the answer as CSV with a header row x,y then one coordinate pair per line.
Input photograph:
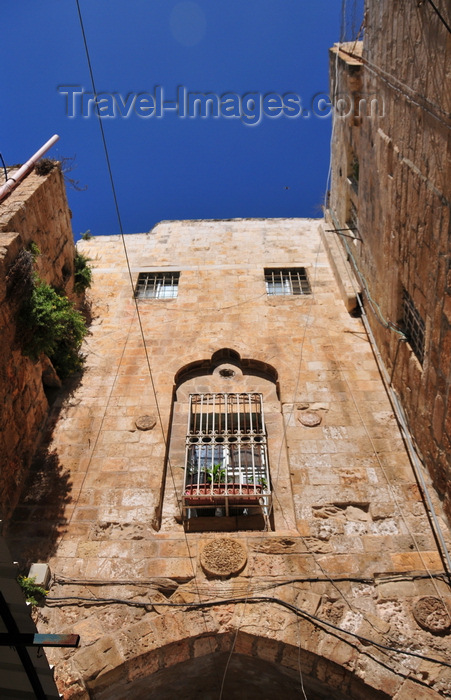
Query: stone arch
x,y
226,356
186,661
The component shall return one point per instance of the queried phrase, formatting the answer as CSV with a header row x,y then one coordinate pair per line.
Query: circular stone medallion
x,y
223,557
146,422
309,419
432,615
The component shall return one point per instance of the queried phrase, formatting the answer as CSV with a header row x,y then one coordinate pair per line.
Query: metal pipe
x,y
17,175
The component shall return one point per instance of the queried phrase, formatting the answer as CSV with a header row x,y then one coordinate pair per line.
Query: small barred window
x,y
287,281
157,285
413,326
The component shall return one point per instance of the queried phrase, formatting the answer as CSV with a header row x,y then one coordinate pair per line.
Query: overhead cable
x,y
237,601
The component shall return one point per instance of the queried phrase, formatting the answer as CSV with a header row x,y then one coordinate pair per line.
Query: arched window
x,y
219,426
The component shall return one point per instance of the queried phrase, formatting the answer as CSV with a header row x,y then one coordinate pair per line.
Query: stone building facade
x,y
34,214
308,563
390,202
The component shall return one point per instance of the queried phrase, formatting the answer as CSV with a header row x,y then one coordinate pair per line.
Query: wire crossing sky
x,y
210,109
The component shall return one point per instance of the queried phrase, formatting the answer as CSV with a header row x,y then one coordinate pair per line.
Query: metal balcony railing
x,y
226,466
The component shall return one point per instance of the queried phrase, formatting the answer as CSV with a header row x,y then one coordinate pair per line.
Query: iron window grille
x,y
413,325
352,221
157,285
287,281
353,173
226,465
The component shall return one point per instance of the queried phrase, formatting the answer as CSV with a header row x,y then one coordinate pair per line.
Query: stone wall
x,y
35,212
402,203
162,608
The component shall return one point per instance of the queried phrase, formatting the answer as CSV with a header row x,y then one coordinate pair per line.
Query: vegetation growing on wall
x,y
82,273
51,325
34,593
65,165
48,321
19,280
34,249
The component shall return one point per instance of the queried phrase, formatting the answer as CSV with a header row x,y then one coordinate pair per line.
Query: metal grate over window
x,y
283,281
226,467
413,326
352,221
157,285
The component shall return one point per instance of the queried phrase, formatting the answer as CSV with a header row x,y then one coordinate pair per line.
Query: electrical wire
x,y
272,582
328,180
404,89
393,495
373,305
301,677
100,428
121,229
437,11
423,490
200,605
379,317
237,601
401,421
4,168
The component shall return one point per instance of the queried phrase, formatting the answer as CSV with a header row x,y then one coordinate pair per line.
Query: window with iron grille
x,y
157,285
283,281
353,172
352,221
413,326
226,466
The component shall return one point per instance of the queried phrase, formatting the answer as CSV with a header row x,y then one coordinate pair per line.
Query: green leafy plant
x,y
32,591
34,249
87,235
82,273
216,474
51,325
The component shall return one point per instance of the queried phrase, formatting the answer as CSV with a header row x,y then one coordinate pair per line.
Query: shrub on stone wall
x,y
34,593
50,324
82,273
19,280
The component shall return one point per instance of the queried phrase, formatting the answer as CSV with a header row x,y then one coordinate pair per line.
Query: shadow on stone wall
x,y
39,519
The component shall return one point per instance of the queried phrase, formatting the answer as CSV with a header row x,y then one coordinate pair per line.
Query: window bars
x,y
353,221
286,281
226,466
157,285
413,325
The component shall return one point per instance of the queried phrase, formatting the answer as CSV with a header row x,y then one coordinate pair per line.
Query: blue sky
x,y
171,167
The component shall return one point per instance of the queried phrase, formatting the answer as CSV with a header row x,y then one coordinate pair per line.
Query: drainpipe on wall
x,y
18,175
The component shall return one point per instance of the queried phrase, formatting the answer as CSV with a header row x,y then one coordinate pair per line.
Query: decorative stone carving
x,y
146,422
227,373
223,557
309,418
432,615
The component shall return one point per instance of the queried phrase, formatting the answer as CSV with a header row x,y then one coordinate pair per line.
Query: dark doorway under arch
x,y
247,678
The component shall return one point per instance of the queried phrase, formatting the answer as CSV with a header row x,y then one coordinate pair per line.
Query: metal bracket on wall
x,y
339,231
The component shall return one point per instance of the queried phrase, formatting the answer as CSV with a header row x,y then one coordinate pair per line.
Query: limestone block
x,y
98,659
410,690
